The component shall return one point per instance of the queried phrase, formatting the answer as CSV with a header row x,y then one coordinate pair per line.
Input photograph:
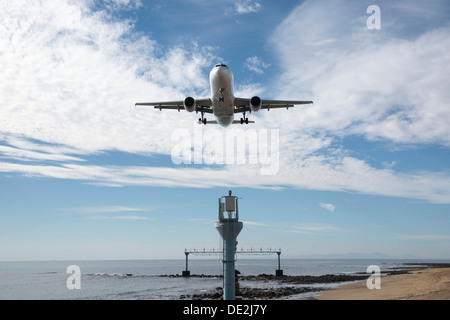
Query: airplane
x,y
223,104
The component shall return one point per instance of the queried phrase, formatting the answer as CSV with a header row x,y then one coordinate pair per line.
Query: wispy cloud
x,y
314,228
110,212
105,209
317,173
202,221
247,6
389,165
328,206
132,218
244,7
256,65
254,223
29,155
424,237
122,4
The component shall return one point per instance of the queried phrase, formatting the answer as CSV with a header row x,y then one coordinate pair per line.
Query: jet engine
x,y
255,103
190,104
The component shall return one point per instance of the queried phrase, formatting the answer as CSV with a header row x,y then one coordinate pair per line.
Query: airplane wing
x,y
243,105
203,105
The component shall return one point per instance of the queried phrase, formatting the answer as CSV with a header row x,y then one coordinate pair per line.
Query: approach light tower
x,y
229,228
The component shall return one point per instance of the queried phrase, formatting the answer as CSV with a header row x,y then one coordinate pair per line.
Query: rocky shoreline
x,y
278,292
253,293
282,288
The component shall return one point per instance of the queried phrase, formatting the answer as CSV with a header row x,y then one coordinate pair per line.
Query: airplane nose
x,y
220,72
217,73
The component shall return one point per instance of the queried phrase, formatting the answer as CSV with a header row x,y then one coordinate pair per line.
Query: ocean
x,y
145,280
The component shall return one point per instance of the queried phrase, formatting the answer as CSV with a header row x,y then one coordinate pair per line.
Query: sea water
x,y
146,279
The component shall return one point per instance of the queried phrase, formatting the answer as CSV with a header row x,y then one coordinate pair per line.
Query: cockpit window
x,y
221,65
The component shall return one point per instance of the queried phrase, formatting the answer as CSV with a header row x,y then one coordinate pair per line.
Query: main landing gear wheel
x,y
244,120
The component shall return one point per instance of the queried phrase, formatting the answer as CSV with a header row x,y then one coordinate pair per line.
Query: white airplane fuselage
x,y
222,95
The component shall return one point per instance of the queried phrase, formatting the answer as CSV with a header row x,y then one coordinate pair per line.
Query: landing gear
x,y
202,119
244,120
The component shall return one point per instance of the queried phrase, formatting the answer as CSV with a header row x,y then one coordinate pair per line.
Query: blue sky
x,y
364,172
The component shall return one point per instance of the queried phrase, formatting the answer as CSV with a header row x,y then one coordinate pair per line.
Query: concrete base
x,y
278,273
186,273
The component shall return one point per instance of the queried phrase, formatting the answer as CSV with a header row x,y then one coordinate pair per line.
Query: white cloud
x,y
71,76
312,173
256,65
247,6
249,90
377,84
389,165
244,7
110,212
28,155
122,4
328,206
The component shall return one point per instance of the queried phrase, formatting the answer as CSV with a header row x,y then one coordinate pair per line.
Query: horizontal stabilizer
x,y
215,122
239,122
207,122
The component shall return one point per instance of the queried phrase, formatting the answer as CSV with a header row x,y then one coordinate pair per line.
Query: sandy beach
x,y
420,284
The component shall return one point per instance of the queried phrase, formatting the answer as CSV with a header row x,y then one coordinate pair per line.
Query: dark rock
x,y
255,293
